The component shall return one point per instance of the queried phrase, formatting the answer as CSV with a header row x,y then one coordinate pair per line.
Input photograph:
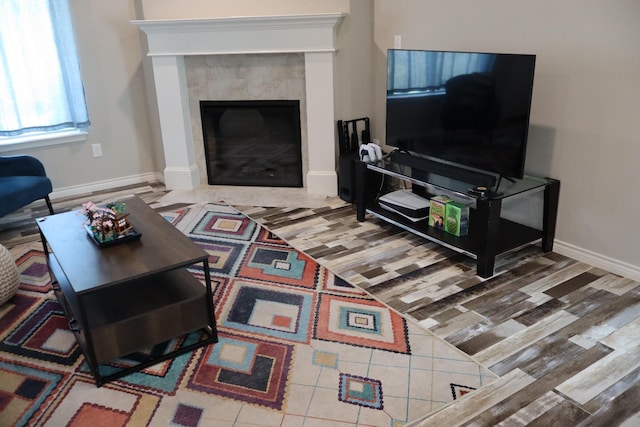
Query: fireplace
x,y
312,35
252,143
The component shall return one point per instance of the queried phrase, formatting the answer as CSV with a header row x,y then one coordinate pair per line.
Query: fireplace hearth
x,y
252,143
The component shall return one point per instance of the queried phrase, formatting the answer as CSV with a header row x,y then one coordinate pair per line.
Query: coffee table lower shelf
x,y
130,317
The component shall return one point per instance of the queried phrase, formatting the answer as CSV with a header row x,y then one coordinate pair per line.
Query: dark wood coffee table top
x,y
88,267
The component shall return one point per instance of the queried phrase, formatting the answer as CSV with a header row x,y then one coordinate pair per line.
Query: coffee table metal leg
x,y
210,307
89,351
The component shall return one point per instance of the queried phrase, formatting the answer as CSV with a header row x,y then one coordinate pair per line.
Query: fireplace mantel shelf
x,y
239,22
241,34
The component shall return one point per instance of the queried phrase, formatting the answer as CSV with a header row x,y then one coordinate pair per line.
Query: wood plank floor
x,y
562,335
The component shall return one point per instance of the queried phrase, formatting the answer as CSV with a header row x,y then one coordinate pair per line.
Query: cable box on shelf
x,y
406,203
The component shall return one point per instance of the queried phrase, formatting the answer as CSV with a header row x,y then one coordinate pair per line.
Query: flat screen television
x,y
469,109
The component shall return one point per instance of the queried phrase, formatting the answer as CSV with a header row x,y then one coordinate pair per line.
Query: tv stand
x,y
490,235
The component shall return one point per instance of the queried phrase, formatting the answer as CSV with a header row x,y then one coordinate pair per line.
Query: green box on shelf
x,y
437,211
457,219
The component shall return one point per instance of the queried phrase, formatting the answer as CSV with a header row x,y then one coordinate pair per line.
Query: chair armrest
x,y
21,166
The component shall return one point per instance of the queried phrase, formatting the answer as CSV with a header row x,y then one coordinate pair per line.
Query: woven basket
x,y
9,279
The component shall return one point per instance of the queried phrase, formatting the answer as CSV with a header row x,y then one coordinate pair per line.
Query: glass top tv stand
x,y
490,235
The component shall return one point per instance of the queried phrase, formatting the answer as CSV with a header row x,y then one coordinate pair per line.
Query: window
x,y
427,71
40,84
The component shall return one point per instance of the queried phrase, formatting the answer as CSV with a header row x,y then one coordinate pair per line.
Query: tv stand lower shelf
x,y
489,236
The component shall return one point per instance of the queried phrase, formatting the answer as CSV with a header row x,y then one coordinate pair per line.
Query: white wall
x,y
354,81
585,123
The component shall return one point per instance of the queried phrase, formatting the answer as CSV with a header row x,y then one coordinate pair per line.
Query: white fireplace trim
x,y
314,35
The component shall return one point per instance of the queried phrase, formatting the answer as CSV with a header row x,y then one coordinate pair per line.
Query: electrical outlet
x,y
97,150
397,41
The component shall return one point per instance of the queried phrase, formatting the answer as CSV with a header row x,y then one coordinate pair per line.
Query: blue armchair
x,y
22,180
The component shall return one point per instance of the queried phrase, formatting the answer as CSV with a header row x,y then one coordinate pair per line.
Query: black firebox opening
x,y
252,143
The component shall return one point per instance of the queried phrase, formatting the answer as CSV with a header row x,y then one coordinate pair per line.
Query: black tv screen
x,y
467,108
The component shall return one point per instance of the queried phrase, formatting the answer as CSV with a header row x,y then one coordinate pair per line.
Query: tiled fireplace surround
x,y
244,58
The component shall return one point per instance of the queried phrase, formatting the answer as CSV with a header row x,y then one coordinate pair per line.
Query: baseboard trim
x,y
598,260
76,190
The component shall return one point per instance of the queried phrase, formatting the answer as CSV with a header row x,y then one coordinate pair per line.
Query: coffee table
x,y
131,296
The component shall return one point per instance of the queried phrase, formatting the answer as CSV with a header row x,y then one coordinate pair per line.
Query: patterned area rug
x,y
298,346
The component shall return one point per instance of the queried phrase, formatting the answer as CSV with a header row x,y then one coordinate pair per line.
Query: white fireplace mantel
x,y
314,35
